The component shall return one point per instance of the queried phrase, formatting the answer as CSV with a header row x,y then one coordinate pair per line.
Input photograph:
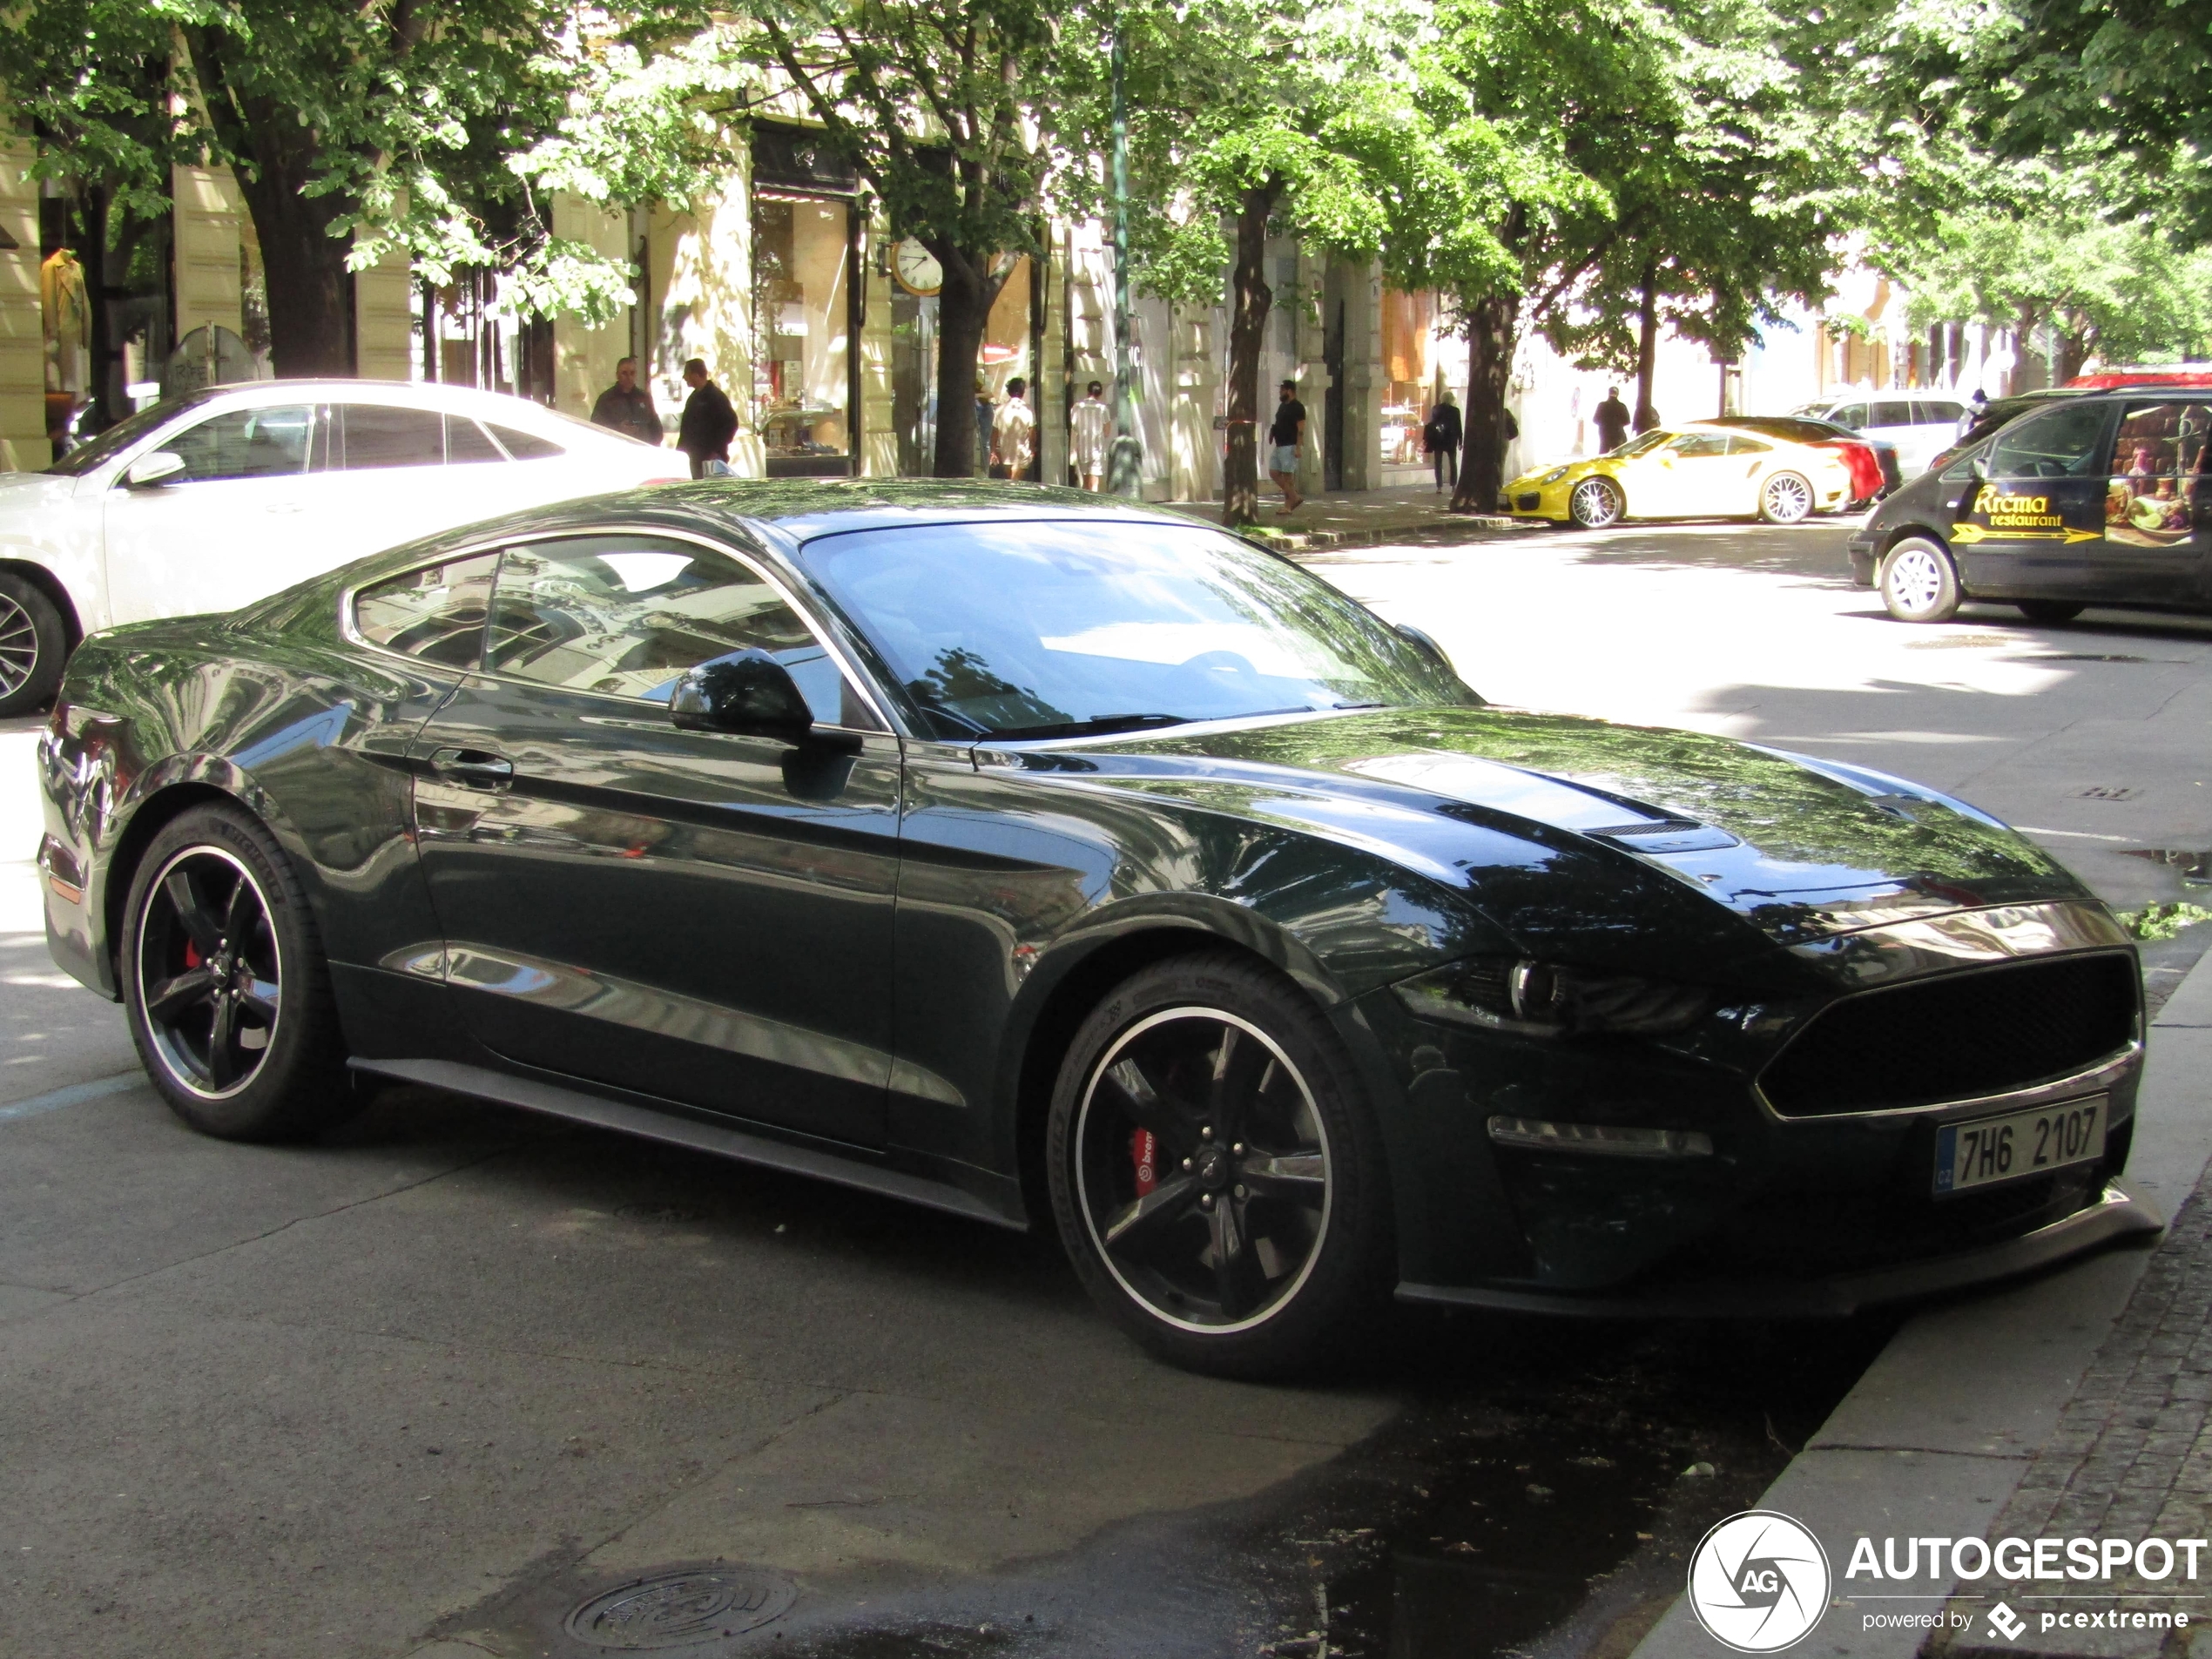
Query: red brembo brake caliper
x,y
1141,1147
192,955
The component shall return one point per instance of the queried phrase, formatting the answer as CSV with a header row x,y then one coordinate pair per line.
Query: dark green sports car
x,y
1018,855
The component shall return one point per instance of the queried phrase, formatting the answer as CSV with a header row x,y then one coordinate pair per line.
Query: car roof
x,y
799,510
437,394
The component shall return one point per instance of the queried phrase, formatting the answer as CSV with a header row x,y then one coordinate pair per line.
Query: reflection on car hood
x,y
1803,848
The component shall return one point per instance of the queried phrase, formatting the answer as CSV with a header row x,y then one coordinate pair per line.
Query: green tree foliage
x,y
1249,119
2031,248
352,129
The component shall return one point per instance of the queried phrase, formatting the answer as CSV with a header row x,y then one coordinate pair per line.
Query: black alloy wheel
x,y
225,985
33,644
1216,1179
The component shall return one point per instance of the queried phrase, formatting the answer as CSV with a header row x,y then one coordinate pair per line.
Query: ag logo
x,y
1759,1582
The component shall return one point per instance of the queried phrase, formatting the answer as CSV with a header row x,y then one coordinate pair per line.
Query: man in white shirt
x,y
1013,432
1091,430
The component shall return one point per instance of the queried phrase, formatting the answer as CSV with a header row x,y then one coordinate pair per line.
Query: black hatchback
x,y
2100,499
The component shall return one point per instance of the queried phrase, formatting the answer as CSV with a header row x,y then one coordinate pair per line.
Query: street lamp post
x,y
1125,462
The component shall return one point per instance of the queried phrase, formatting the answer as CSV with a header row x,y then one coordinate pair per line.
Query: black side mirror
x,y
1425,645
750,692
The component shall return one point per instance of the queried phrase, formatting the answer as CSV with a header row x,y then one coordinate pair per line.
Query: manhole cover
x,y
682,1610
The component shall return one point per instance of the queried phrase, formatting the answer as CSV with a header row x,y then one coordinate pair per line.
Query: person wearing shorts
x,y
1284,436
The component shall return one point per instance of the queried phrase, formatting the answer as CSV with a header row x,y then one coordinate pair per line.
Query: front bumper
x,y
2119,1214
1864,546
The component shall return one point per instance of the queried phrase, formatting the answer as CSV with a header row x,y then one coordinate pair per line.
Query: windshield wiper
x,y
1092,727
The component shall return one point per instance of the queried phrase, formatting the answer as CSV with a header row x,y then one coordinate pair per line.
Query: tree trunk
x,y
1492,323
1251,299
1648,350
963,313
2073,352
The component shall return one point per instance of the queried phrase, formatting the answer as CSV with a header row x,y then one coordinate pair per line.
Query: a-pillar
x,y
23,446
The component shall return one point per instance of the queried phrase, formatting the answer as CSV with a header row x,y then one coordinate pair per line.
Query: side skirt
x,y
579,1107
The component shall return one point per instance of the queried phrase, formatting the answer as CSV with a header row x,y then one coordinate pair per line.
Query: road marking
x,y
75,1094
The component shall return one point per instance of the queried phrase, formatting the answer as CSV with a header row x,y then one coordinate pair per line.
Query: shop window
x,y
1408,337
802,300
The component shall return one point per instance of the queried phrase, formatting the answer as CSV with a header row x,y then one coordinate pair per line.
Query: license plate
x,y
1990,1150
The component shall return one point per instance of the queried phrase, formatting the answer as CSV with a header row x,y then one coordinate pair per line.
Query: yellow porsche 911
x,y
1687,471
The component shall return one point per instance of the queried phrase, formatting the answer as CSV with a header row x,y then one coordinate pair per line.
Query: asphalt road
x,y
429,1388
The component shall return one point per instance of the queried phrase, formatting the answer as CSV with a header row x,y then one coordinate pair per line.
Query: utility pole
x,y
1125,462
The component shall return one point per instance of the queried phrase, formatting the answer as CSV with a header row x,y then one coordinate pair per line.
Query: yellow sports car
x,y
1687,471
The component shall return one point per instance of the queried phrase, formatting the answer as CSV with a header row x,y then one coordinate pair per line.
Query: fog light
x,y
1540,1136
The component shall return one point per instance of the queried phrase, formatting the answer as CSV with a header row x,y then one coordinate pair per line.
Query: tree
x,y
352,130
936,108
1265,116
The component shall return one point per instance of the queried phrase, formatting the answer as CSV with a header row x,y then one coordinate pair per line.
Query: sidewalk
x,y
1363,518
2072,1406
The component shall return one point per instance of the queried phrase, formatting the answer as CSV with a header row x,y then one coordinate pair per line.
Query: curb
x,y
1938,1435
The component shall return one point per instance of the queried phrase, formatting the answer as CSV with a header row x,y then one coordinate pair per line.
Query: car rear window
x,y
526,445
1933,409
1893,411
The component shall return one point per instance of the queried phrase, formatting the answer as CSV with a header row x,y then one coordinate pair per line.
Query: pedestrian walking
x,y
708,425
626,407
1612,421
1976,403
1286,436
1440,437
1091,429
986,418
1013,432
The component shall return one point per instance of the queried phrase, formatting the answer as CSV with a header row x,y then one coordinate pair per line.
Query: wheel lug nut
x,y
1239,1149
1206,1134
1186,1164
1241,1193
1205,1200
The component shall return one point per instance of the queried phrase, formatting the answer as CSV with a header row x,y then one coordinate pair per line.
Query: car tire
x,y
1918,583
225,984
2049,612
1264,1156
34,645
1594,504
1786,498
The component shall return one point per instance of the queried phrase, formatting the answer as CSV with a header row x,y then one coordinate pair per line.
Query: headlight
x,y
1554,476
1544,998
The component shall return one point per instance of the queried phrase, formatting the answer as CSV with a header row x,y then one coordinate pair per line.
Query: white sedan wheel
x,y
1785,499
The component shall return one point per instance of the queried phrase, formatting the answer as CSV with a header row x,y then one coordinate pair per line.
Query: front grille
x,y
1527,502
1957,1038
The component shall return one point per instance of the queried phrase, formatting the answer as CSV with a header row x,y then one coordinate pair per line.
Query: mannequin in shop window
x,y
66,312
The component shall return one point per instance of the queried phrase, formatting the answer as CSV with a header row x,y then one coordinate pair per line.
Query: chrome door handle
x,y
478,768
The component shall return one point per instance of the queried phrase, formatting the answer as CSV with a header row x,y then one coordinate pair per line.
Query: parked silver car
x,y
1921,424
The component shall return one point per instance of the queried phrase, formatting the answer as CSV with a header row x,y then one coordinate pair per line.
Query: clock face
x,y
916,268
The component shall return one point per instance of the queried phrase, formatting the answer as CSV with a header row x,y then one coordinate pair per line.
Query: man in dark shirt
x,y
1441,438
709,423
1284,436
1612,421
626,407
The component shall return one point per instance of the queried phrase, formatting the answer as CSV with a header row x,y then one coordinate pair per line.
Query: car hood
x,y
28,492
1799,848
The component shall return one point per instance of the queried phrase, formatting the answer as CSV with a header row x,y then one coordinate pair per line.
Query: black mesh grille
x,y
1527,502
1957,1038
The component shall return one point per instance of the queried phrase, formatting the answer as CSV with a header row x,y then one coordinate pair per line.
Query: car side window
x,y
2062,442
2159,465
526,445
373,435
1740,445
436,613
1851,415
1892,411
245,443
467,441
1939,409
624,616
1693,445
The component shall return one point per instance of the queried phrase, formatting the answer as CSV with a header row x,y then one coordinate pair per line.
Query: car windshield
x,y
1061,628
120,437
1638,445
1783,427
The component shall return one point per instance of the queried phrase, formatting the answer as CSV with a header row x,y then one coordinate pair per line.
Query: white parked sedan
x,y
209,502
